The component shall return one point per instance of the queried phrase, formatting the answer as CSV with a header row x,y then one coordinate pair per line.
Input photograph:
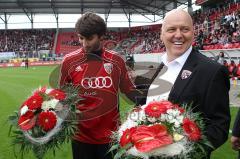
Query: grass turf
x,y
16,84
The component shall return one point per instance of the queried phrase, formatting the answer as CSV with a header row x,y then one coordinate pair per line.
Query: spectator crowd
x,y
26,41
216,27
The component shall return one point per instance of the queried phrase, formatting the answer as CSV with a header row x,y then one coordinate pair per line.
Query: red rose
x,y
34,102
148,138
47,120
58,94
27,121
191,129
156,108
126,137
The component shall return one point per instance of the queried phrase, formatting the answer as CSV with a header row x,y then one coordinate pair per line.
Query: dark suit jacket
x,y
208,89
236,126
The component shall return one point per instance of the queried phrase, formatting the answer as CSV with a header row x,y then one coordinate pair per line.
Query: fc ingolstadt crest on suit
x,y
108,67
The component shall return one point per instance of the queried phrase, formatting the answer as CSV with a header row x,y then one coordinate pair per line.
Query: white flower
x,y
48,90
152,119
142,115
173,116
163,117
179,118
46,105
176,123
24,110
173,112
170,118
169,111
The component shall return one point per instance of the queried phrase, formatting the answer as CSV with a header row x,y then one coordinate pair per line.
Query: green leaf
x,y
12,117
114,147
10,130
207,143
17,132
119,154
201,148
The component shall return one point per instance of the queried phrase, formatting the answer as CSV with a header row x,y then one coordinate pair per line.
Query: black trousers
x,y
90,151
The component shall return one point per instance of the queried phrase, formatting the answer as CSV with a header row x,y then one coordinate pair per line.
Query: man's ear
x,y
101,38
161,34
161,37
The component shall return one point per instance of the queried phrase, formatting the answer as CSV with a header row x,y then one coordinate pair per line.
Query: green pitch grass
x,y
16,84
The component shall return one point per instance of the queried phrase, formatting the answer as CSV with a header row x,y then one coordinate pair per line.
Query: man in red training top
x,y
100,74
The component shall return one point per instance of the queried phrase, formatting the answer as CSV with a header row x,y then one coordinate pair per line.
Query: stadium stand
x,y
216,28
26,42
67,42
143,39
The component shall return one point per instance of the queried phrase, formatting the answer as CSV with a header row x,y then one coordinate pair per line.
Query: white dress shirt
x,y
173,69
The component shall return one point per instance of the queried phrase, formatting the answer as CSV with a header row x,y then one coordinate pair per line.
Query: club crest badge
x,y
185,74
108,67
78,68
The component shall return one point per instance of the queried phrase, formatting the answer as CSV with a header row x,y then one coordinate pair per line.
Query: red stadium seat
x,y
219,46
230,46
205,47
214,46
210,47
237,45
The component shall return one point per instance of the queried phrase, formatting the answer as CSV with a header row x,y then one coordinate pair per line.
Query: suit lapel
x,y
181,82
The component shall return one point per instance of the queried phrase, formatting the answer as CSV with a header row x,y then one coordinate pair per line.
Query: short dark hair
x,y
89,24
221,54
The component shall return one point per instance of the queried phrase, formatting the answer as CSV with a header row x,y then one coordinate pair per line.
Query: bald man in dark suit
x,y
195,78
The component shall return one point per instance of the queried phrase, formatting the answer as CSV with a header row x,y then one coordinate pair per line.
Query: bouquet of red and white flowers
x,y
161,129
45,120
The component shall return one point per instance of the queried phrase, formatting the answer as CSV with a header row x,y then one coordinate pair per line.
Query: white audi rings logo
x,y
96,82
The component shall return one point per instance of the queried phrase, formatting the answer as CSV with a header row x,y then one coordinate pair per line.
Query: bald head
x,y
177,33
177,15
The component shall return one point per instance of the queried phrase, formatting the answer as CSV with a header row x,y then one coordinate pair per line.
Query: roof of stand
x,y
143,7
